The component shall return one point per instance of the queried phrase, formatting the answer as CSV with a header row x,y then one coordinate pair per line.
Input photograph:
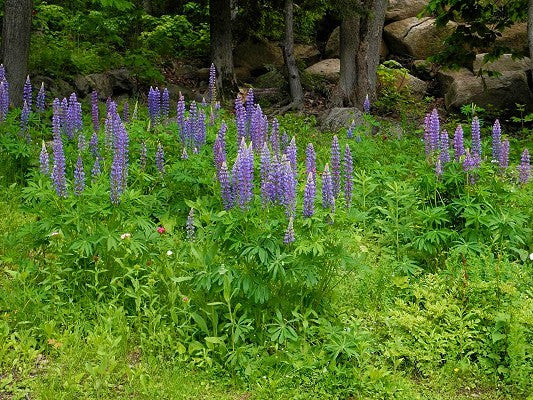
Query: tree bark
x,y
360,41
295,85
221,48
530,33
349,42
16,45
370,33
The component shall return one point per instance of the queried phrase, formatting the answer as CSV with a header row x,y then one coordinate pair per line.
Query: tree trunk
x,y
360,42
221,48
370,33
530,33
295,85
16,45
349,42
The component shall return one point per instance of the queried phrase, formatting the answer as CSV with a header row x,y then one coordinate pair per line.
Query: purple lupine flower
x,y
273,187
310,160
427,136
193,110
200,131
244,174
190,228
119,165
349,133
222,133
180,115
274,137
348,175
2,73
290,151
434,130
4,99
225,186
336,166
438,168
288,183
82,143
27,95
470,163
93,144
219,153
458,143
289,233
44,160
184,155
211,94
366,104
255,128
94,111
96,171
79,177
496,140
524,169
504,155
154,104
250,105
328,200
444,155
143,156
41,99
76,112
24,116
165,103
309,196
284,141
240,119
264,170
126,112
58,167
476,138
160,158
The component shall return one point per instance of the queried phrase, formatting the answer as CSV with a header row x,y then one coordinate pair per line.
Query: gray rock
x,y
402,9
121,82
418,38
463,87
515,38
307,53
504,63
405,81
256,55
338,118
99,82
327,69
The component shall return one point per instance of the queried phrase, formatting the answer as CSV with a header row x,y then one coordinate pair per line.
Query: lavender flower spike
x,y
225,186
309,196
476,138
41,99
44,160
58,167
160,159
348,176
27,95
444,155
212,93
524,169
328,200
434,130
94,111
79,177
289,233
336,166
504,155
458,143
366,104
496,141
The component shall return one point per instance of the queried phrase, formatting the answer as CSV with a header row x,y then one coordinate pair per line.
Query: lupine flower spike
x,y
524,168
289,233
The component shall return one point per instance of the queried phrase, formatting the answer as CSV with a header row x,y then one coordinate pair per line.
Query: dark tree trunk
x,y
295,85
16,45
530,33
370,33
221,48
349,42
360,41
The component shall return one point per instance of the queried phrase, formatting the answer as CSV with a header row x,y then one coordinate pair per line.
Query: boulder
x,y
405,81
175,90
99,82
333,46
504,63
463,87
121,82
418,38
307,53
256,55
402,9
327,69
515,38
338,118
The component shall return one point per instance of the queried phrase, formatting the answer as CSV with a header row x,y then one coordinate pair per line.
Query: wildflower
x,y
160,159
24,116
249,105
154,104
185,299
438,168
290,151
165,103
169,253
225,186
94,111
96,168
184,155
143,156
496,140
434,130
161,230
211,94
444,155
335,166
125,236
54,234
289,233
531,256
180,112
274,136
44,160
524,168
504,155
58,167
244,174
458,144
264,169
4,99
309,196
349,133
41,98
190,225
348,172
476,138
366,104
327,189
310,160
79,177
288,184
27,95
